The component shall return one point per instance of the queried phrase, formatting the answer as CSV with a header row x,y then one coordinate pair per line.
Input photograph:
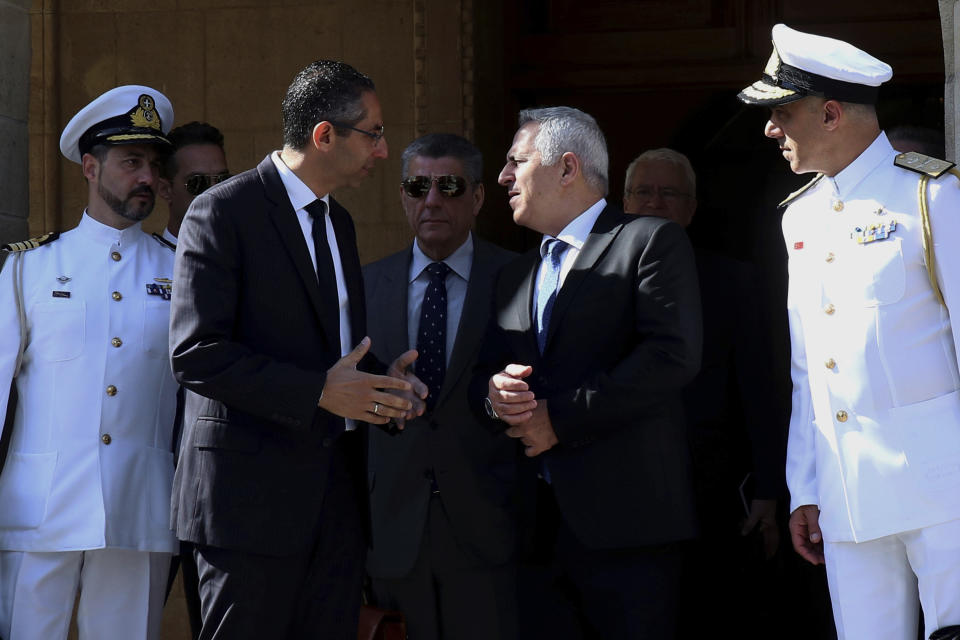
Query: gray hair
x,y
664,155
444,145
565,129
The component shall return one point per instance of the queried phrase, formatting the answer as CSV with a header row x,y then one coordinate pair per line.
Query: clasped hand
x,y
516,405
349,393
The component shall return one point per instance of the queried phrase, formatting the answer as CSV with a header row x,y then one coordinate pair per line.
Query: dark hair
x,y
325,90
442,145
185,135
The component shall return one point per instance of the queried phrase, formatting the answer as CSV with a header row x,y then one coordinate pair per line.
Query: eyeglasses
x,y
200,182
376,135
645,192
419,186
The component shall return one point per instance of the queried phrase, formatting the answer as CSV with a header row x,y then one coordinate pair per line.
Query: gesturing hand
x,y
400,369
354,394
510,395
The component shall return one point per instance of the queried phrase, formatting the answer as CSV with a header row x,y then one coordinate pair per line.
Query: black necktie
x,y
432,335
326,276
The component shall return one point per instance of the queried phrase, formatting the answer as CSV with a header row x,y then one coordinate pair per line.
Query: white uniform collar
x,y
873,156
169,237
99,232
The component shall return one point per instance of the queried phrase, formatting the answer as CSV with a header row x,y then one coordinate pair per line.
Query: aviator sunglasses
x,y
200,182
418,186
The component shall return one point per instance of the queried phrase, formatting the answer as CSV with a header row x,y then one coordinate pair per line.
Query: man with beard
x,y
86,487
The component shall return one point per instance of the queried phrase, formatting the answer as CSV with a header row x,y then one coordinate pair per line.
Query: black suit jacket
x,y
474,468
624,338
251,340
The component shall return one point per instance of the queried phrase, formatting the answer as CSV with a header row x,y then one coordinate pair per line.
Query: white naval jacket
x,y
875,429
89,464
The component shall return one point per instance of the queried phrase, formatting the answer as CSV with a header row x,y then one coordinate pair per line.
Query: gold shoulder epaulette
x,y
799,192
933,167
32,243
169,245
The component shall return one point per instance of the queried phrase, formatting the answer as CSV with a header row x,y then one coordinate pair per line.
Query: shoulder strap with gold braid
x,y
928,256
18,249
928,168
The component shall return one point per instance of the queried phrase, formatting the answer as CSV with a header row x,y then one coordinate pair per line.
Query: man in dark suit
x,y
441,490
594,335
736,420
267,305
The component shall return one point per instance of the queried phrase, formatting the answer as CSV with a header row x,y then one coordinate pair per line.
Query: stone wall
x,y
228,62
14,92
949,19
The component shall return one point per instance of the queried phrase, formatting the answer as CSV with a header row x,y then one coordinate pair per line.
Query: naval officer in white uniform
x,y
873,461
85,491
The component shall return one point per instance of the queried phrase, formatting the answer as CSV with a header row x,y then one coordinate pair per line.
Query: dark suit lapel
x,y
604,230
391,290
476,308
285,220
350,263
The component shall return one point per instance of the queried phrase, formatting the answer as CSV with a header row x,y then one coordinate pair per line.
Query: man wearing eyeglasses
x,y
270,490
440,489
735,421
197,163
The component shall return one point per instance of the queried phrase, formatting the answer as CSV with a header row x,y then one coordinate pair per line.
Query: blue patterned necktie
x,y
547,294
432,334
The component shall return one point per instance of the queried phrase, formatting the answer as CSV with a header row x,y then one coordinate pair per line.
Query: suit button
x,y
106,439
830,364
841,416
831,257
116,342
326,443
117,296
111,390
829,309
116,256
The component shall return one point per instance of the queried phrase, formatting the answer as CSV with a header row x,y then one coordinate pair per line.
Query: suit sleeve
x,y
206,357
764,411
666,345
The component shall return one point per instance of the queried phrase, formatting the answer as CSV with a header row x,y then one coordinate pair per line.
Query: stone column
x,y
949,19
14,105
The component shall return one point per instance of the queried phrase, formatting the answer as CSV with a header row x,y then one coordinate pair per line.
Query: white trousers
x,y
875,585
121,594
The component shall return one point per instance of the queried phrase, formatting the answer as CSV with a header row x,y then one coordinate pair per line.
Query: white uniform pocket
x,y
156,327
25,488
877,274
56,330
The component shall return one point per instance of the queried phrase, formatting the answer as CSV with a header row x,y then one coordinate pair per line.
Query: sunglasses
x,y
200,182
419,186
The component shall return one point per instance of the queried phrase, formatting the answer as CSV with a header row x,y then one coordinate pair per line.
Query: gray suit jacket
x,y
475,469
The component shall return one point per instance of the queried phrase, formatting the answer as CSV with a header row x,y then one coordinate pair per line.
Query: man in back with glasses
x,y
443,534
198,161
